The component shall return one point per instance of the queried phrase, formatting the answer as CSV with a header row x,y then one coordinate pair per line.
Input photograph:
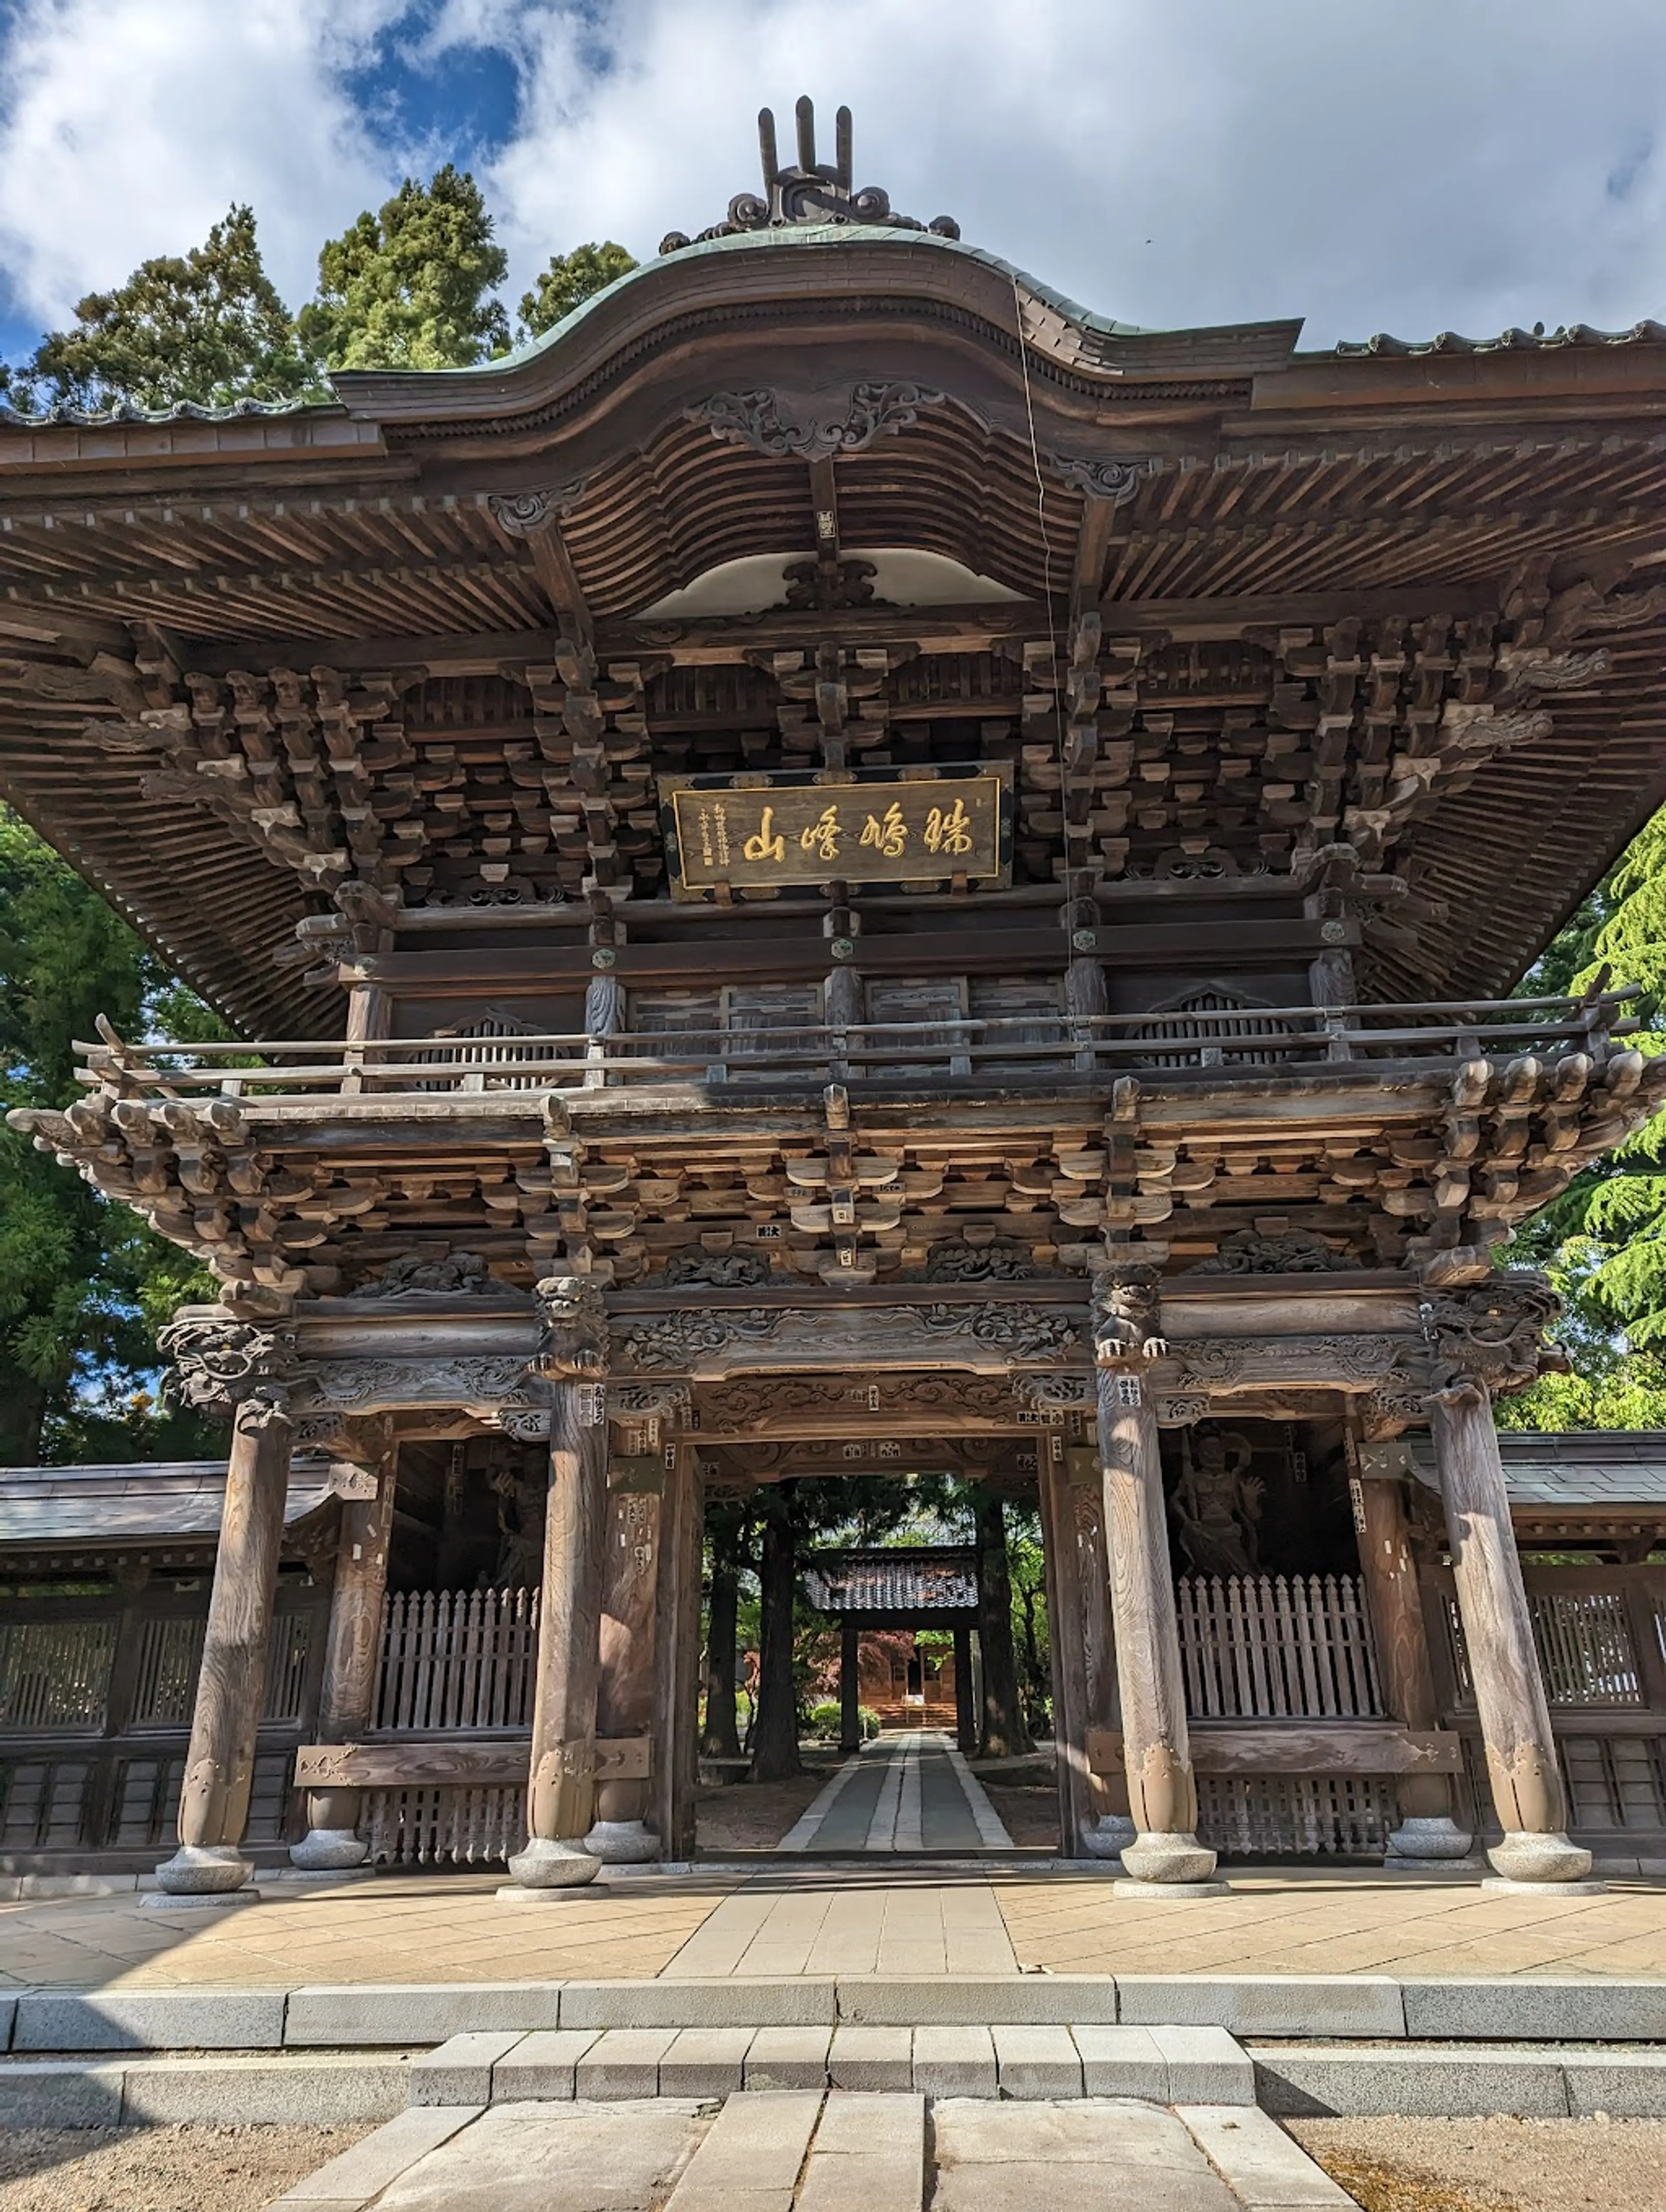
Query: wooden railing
x,y
1277,1648
944,1051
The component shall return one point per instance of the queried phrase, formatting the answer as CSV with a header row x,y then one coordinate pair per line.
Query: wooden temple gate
x,y
842,851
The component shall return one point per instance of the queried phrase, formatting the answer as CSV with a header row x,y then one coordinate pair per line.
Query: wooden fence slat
x,y
1272,1647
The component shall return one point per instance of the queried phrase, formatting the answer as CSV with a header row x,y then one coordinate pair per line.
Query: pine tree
x,y
208,326
410,286
84,1283
568,283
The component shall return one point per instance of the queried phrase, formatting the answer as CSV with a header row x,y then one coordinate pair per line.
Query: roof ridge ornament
x,y
809,192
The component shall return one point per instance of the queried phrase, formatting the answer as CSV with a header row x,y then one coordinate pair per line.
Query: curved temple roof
x,y
1347,559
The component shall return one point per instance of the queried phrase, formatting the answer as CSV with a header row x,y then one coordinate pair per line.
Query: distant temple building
x,y
842,865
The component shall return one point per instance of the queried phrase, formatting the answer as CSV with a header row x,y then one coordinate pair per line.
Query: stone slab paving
x,y
908,1791
879,2151
867,1918
1349,1922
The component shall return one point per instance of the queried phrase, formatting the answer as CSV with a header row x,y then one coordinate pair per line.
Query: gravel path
x,y
1488,2166
181,2169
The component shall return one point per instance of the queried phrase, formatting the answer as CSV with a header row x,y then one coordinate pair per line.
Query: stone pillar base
x,y
326,1850
1526,1857
204,1870
1108,1837
1176,1889
1427,1840
622,1843
547,1865
1155,1858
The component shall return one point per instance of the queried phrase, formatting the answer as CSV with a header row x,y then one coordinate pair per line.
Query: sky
x,y
1409,166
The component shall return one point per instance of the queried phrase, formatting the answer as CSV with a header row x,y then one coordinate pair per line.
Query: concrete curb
x,y
1541,2008
319,2089
1184,2065
1457,2081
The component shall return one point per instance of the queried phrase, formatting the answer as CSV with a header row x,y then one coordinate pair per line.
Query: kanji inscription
x,y
750,836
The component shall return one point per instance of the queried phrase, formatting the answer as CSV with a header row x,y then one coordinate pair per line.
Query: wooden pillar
x,y
677,1698
850,1683
965,1705
1156,1747
625,1689
1077,1812
1427,1831
231,1682
1109,1830
561,1797
352,1652
1498,1634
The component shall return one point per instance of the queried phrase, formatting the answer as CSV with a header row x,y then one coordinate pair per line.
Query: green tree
x,y
1604,1242
84,1283
412,286
568,283
208,326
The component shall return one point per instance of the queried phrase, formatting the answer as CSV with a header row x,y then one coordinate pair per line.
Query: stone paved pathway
x,y
845,2152
910,1791
875,1912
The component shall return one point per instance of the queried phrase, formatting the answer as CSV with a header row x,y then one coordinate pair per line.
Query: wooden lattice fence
x,y
1277,1647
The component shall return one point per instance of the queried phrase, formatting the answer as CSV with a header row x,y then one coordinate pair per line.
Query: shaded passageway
x,y
910,1791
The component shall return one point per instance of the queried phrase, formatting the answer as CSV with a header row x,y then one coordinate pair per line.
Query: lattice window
x,y
488,1042
1193,1028
286,1668
170,1648
1584,1640
54,1675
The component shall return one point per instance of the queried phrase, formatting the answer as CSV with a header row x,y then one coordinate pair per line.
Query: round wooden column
x,y
352,1653
1498,1634
624,1697
560,1797
965,1704
1427,1831
1156,1746
1111,1829
231,1682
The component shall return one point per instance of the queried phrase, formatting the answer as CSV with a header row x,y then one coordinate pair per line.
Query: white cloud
x,y
1401,164
127,127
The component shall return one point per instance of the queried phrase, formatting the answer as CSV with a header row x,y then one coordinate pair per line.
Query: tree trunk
x,y
1005,1735
775,1736
22,1414
721,1737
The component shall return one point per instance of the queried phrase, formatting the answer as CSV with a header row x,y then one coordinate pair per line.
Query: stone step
x,y
1286,2006
847,2151
1166,2065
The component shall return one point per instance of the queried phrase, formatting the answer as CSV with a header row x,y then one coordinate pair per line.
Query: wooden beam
x,y
1302,1748
456,1762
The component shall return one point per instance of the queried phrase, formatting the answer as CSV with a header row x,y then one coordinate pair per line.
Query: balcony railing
x,y
1030,1051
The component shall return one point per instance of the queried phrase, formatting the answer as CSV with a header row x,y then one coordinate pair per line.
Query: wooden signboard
x,y
755,832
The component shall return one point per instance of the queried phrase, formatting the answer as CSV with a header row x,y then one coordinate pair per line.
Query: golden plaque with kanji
x,y
756,832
